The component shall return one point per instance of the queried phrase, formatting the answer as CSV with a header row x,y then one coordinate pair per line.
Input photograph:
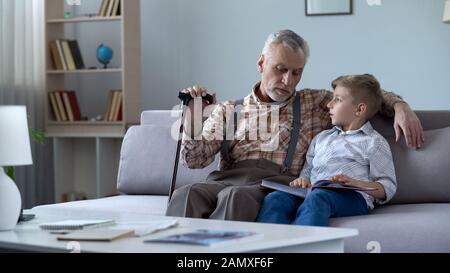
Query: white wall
x,y
217,43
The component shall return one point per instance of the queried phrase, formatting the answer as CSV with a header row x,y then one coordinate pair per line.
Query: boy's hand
x,y
379,193
345,180
301,182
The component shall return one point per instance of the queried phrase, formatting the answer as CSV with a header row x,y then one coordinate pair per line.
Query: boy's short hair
x,y
363,88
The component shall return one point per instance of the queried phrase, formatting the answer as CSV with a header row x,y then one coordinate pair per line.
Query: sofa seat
x,y
400,228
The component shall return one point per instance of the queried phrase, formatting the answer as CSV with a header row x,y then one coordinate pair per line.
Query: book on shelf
x,y
208,237
64,105
115,7
103,7
60,104
74,105
54,106
61,54
65,97
76,53
110,8
303,192
55,56
114,106
118,106
66,55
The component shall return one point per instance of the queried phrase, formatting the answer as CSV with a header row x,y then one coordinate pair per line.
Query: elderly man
x,y
234,192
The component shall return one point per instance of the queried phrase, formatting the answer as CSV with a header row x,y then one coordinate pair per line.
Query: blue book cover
x,y
207,237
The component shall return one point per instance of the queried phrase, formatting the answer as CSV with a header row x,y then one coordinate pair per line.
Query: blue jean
x,y
315,210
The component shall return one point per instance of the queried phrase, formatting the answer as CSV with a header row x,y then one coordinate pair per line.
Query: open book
x,y
206,237
303,192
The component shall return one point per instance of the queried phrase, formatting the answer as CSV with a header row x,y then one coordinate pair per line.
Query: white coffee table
x,y
277,238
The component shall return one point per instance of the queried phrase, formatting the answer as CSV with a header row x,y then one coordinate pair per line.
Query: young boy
x,y
352,153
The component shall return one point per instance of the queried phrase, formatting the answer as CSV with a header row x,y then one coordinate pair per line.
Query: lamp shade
x,y
446,18
14,137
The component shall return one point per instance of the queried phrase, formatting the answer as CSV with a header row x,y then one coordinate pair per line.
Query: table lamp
x,y
446,17
14,151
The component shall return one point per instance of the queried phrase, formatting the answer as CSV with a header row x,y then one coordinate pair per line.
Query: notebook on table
x,y
100,235
76,224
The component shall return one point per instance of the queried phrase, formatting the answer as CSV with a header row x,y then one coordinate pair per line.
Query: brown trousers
x,y
234,194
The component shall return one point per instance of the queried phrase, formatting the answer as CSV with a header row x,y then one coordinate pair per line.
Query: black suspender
x,y
225,151
294,135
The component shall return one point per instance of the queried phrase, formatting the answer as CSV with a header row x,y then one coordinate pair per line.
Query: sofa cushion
x,y
423,175
147,159
400,228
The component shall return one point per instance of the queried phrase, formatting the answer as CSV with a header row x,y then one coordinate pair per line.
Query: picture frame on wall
x,y
328,7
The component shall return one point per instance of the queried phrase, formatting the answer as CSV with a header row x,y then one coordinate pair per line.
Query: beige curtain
x,y
22,83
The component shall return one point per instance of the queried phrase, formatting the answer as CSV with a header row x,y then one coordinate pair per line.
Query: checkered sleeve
x,y
199,153
321,99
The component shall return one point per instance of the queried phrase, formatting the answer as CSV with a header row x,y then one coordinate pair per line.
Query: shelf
x,y
85,129
92,123
84,19
85,71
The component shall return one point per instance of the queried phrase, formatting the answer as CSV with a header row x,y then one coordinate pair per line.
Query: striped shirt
x,y
314,119
361,154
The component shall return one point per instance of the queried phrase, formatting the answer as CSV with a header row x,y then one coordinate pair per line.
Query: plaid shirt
x,y
315,118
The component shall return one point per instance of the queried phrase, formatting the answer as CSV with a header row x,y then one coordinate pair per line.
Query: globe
x,y
104,55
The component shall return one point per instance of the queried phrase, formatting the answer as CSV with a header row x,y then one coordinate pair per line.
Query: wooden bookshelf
x,y
86,152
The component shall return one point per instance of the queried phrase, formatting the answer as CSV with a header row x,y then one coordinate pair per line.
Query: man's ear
x,y
361,109
261,63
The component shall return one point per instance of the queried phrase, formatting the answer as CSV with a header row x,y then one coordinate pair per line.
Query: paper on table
x,y
75,224
147,227
99,234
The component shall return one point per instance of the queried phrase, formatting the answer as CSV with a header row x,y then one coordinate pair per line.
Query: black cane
x,y
185,99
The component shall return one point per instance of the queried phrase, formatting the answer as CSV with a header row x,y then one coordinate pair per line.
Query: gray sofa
x,y
416,220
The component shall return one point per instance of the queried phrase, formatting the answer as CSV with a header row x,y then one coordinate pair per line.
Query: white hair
x,y
288,38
